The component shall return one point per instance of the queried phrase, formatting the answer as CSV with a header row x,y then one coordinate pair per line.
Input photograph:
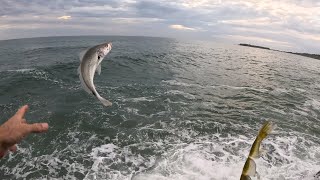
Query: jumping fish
x,y
90,61
249,168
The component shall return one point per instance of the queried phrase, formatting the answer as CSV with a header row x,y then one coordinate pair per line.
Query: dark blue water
x,y
181,110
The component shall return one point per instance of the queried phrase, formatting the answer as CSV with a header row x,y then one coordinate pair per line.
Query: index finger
x,y
37,127
32,128
22,111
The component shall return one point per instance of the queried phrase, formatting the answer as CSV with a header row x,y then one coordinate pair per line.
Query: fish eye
x,y
98,57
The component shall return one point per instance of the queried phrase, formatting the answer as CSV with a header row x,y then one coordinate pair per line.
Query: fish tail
x,y
101,99
104,101
265,130
263,133
249,169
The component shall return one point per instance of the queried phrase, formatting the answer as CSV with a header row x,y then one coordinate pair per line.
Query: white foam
x,y
183,84
301,90
178,83
215,161
21,70
244,87
315,104
301,112
280,111
184,156
107,150
138,99
279,91
38,74
214,157
108,158
184,94
193,161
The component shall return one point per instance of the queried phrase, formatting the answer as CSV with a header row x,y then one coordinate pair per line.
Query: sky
x,y
290,25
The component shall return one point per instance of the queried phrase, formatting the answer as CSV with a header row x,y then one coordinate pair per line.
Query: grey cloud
x,y
116,14
155,9
38,7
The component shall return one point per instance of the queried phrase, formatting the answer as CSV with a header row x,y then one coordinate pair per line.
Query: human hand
x,y
17,128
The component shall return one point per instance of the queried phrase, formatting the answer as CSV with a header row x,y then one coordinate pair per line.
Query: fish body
x,y
90,62
249,168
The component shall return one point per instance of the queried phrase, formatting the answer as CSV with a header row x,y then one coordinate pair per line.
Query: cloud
x,y
5,27
135,20
274,22
64,17
181,27
200,3
157,9
263,21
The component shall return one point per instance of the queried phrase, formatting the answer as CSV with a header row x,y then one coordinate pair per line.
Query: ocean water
x,y
181,110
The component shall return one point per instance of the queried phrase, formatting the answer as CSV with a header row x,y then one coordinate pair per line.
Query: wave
x,y
183,84
22,70
178,83
138,99
184,94
170,119
208,157
315,104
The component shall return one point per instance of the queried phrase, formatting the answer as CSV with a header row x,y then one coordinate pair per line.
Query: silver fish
x,y
90,61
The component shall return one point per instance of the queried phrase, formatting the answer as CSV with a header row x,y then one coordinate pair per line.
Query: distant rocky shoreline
x,y
315,56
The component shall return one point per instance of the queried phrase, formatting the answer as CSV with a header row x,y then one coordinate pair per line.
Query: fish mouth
x,y
105,48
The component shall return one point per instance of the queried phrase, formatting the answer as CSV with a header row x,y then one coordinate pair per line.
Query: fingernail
x,y
45,126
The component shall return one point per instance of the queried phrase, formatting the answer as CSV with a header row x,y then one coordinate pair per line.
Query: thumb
x,y
22,111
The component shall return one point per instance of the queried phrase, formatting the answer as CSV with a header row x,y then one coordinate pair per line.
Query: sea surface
x,y
186,110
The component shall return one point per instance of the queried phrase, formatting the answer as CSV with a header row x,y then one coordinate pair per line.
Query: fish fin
x,y
99,69
251,167
83,84
104,101
82,53
245,177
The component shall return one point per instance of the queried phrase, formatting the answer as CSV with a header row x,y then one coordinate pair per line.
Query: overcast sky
x,y
285,25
